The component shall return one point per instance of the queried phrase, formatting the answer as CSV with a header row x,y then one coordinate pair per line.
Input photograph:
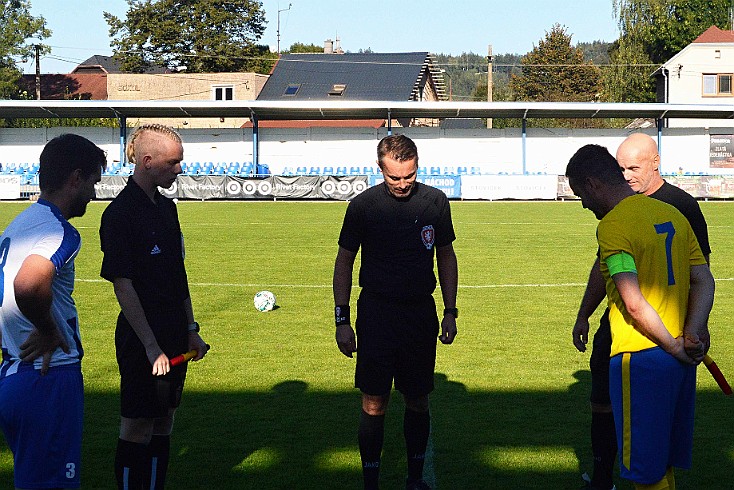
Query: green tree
x,y
17,26
305,48
663,27
556,71
628,77
201,35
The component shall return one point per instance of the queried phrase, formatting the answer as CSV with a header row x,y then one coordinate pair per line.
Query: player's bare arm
x,y
342,286
133,311
33,295
448,277
593,296
700,302
645,319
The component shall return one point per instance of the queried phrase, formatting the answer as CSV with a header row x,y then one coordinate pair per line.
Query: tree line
x,y
224,36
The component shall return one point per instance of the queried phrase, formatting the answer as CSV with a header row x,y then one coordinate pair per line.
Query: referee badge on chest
x,y
428,235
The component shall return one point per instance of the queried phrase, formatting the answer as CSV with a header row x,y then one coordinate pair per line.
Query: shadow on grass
x,y
290,437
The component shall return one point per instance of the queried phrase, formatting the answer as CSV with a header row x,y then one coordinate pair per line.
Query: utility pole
x,y
489,81
38,72
279,11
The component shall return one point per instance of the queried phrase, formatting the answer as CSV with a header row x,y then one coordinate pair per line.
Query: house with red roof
x,y
701,73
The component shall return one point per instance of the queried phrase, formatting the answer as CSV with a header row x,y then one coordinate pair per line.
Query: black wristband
x,y
341,315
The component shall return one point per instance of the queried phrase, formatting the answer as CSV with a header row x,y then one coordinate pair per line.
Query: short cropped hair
x,y
594,161
63,155
155,128
398,147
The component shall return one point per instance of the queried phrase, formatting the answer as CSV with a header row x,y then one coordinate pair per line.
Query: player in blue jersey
x,y
41,387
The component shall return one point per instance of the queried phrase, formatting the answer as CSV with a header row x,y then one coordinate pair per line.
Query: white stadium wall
x,y
486,151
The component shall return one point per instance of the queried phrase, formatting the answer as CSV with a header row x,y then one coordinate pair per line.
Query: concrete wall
x,y
492,151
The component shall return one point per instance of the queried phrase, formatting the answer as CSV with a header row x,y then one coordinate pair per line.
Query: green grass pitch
x,y
273,405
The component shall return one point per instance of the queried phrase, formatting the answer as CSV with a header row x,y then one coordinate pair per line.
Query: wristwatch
x,y
451,311
194,327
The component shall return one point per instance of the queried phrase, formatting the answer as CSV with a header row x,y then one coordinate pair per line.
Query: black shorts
x,y
396,340
599,362
143,395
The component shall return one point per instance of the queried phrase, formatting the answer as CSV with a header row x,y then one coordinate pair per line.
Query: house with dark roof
x,y
354,77
108,64
701,73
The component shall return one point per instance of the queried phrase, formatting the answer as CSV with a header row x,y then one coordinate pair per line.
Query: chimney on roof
x,y
328,46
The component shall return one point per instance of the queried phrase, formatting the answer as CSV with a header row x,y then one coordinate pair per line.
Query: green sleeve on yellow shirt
x,y
621,262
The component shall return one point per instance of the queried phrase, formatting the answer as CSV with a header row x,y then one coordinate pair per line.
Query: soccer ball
x,y
264,301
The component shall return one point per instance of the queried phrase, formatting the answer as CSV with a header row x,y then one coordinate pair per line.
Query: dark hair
x,y
399,147
64,154
594,161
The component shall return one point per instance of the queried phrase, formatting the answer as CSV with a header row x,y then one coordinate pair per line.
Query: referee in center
x,y
399,224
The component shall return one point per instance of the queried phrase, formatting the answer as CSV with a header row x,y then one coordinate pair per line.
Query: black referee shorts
x,y
396,340
599,362
143,395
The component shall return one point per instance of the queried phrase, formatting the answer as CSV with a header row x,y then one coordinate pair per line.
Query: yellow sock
x,y
670,476
667,483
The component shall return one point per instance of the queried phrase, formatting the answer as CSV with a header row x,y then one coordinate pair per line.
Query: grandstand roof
x,y
319,110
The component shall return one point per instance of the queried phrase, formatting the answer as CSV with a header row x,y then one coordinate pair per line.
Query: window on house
x,y
338,89
223,92
292,89
717,85
725,84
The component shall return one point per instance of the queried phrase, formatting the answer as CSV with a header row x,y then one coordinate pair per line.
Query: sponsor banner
x,y
110,186
706,186
299,187
199,187
202,187
449,184
721,151
9,186
494,187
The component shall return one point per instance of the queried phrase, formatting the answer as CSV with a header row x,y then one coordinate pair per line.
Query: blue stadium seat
x,y
246,168
328,171
315,171
355,171
475,171
435,171
374,170
462,170
341,170
301,171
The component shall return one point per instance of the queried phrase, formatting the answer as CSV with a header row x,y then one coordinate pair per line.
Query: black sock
x,y
371,433
157,466
604,448
130,462
416,429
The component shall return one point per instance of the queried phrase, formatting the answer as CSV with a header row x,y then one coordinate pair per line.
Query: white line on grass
x,y
328,286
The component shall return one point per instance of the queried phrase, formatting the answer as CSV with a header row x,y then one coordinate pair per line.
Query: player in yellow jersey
x,y
660,291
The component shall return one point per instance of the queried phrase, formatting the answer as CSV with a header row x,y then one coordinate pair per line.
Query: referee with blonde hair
x,y
143,251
